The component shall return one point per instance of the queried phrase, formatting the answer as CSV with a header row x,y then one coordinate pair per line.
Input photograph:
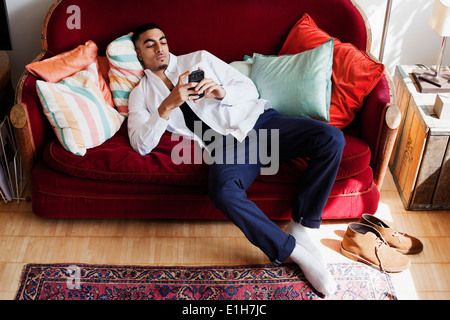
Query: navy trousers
x,y
321,144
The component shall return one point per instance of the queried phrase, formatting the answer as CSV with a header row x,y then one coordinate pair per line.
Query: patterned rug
x,y
355,281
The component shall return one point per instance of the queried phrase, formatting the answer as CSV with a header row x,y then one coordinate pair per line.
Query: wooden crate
x,y
420,163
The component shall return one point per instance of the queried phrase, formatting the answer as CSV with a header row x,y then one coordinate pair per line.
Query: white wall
x,y
25,19
410,40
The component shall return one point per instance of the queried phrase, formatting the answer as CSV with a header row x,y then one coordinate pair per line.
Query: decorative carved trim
x,y
44,43
367,24
18,116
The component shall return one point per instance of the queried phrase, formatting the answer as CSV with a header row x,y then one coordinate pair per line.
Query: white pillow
x,y
78,112
244,67
125,71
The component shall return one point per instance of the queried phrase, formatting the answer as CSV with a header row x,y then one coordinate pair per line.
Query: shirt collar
x,y
172,67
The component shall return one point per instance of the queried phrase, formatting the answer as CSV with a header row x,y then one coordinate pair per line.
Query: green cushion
x,y
297,85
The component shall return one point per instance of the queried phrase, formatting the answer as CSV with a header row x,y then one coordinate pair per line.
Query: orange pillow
x,y
66,64
103,63
354,73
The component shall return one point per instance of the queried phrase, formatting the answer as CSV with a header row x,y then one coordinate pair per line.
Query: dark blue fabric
x,y
319,143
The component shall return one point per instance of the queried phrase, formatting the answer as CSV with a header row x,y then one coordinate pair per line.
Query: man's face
x,y
152,50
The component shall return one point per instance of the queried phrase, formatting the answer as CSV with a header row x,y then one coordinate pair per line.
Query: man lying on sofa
x,y
164,100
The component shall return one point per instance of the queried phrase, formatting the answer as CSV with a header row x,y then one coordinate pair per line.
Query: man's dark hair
x,y
141,29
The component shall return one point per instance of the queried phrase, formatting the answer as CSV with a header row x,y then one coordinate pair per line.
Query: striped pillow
x,y
125,71
78,112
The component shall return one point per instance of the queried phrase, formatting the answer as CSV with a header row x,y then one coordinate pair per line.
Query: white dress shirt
x,y
235,114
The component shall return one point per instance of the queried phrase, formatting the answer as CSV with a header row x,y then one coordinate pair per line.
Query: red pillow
x,y
354,74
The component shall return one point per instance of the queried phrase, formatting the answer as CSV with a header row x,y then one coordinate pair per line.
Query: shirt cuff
x,y
158,123
228,99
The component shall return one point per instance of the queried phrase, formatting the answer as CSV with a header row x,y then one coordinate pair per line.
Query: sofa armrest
x,y
388,133
22,132
31,128
380,121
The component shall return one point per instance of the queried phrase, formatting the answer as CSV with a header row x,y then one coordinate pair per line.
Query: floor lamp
x,y
436,81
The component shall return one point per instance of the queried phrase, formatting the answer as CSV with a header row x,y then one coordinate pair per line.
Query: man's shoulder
x,y
141,86
200,54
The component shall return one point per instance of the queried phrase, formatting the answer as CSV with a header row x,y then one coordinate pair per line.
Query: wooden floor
x,y
25,238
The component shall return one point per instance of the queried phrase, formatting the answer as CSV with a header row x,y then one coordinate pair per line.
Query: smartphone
x,y
197,76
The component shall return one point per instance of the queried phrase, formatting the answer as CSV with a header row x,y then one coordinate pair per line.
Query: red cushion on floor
x,y
115,160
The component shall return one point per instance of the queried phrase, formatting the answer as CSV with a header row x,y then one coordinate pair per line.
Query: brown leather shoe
x,y
365,244
402,242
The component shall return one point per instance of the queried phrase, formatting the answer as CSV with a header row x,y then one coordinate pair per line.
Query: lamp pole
x,y
385,28
439,63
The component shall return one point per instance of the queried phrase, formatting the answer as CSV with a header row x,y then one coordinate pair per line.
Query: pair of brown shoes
x,y
375,243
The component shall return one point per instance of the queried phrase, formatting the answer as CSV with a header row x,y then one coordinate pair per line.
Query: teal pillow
x,y
297,85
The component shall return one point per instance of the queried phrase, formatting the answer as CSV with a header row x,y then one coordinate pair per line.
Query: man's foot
x,y
300,233
313,270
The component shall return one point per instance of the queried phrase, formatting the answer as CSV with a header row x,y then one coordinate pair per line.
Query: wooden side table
x,y
420,162
6,89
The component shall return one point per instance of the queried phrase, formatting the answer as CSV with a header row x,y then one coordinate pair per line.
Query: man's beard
x,y
163,67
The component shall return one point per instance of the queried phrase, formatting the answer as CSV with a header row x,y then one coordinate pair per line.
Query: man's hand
x,y
180,94
210,88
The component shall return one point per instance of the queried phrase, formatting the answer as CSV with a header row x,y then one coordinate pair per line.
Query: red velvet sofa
x,y
113,181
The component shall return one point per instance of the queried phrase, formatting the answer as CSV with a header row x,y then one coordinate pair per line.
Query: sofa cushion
x,y
354,76
115,160
64,65
125,71
355,159
78,112
244,67
297,85
72,197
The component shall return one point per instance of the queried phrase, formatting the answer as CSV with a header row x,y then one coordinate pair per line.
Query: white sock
x,y
313,270
300,233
